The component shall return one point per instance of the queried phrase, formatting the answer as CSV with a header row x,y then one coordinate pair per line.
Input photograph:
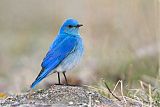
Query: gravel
x,y
59,96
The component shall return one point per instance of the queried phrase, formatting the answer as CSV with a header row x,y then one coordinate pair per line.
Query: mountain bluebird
x,y
64,53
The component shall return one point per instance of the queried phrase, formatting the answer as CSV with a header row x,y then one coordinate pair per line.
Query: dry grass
x,y
144,96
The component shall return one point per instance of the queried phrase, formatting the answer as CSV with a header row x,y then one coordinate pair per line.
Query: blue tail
x,y
43,73
36,82
39,78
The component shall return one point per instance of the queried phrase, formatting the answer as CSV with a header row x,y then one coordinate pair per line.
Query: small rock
x,y
70,102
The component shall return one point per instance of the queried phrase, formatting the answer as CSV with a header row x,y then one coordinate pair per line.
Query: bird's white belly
x,y
70,62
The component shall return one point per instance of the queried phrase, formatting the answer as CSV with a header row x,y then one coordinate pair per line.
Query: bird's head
x,y
70,26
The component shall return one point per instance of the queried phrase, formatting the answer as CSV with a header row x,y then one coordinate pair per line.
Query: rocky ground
x,y
60,96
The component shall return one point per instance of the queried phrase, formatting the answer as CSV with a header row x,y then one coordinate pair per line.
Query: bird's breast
x,y
72,59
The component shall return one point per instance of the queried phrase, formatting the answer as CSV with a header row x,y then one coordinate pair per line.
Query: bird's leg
x,y
65,77
59,81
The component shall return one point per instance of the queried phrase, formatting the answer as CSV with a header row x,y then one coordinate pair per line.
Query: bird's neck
x,y
68,34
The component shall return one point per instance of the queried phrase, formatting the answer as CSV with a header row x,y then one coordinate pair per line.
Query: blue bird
x,y
64,53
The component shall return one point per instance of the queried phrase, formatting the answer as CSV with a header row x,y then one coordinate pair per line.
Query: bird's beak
x,y
79,25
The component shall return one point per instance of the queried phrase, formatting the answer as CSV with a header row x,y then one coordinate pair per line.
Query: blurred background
x,y
120,37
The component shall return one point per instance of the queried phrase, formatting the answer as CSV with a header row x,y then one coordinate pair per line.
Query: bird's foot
x,y
59,84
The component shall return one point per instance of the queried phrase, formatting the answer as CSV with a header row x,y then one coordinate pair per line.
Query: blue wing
x,y
55,56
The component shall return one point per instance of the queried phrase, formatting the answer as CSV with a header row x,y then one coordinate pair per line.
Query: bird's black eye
x,y
70,26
